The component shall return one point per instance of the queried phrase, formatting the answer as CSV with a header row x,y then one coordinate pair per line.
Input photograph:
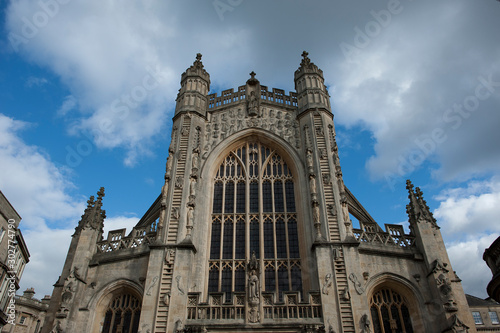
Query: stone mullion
x,y
247,201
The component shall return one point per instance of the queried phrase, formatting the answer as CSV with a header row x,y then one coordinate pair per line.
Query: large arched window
x,y
254,212
122,315
390,312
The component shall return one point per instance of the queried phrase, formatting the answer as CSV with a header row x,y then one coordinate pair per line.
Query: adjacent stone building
x,y
485,313
14,256
252,232
30,313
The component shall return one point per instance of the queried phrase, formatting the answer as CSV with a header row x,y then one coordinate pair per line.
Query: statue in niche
x,y
310,162
253,290
195,161
312,184
253,105
253,286
170,162
316,214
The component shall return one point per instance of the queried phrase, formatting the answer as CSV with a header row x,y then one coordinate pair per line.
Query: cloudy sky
x,y
414,85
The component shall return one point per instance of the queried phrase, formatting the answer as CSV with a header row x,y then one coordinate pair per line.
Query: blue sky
x,y
414,85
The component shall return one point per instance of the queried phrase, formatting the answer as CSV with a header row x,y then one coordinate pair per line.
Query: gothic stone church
x,y
252,232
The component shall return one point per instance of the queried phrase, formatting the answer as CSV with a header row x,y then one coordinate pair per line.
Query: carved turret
x,y
417,209
69,288
94,215
445,285
310,86
195,84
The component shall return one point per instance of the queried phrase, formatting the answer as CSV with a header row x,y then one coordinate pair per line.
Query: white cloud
x,y
69,104
468,215
31,182
40,193
467,260
474,208
35,81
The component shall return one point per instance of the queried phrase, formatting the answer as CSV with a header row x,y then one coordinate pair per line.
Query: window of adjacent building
x,y
2,233
122,315
494,317
390,312
253,212
22,320
477,317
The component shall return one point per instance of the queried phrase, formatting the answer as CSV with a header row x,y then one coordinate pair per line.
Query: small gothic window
x,y
254,212
389,311
122,315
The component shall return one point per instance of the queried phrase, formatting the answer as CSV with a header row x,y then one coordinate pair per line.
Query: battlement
x,y
229,96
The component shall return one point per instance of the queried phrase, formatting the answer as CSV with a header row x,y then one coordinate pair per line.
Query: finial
x,y
252,74
100,194
409,185
198,56
305,54
90,202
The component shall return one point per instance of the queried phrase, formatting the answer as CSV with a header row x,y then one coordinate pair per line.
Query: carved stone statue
x,y
253,105
253,286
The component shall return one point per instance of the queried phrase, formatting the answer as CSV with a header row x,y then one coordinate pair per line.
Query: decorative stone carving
x,y
438,266
365,324
153,283
179,182
253,105
310,161
179,326
312,187
357,285
319,131
175,213
457,326
327,284
179,284
169,256
332,209
327,178
166,299
226,123
344,295
323,154
253,290
189,221
195,162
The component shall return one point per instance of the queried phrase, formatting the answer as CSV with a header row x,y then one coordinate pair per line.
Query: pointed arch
x,y
124,296
269,197
394,300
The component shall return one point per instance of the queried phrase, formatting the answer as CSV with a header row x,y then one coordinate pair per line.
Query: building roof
x,y
474,301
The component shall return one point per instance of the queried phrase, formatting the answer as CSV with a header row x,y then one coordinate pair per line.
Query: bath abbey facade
x,y
252,232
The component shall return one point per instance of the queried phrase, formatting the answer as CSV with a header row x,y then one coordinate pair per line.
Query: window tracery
x,y
122,315
389,311
254,212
